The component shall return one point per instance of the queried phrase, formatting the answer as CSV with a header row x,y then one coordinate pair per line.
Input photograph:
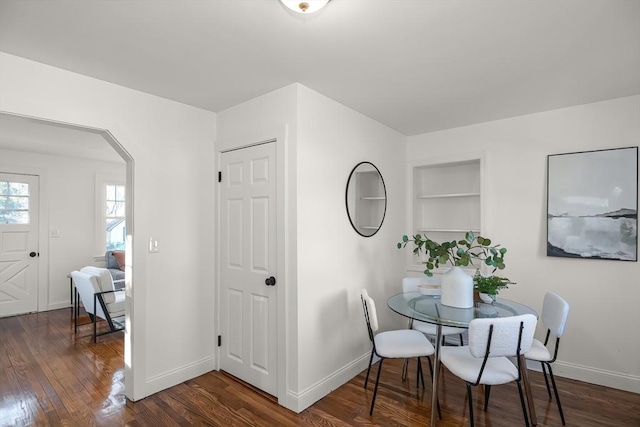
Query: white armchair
x,y
100,298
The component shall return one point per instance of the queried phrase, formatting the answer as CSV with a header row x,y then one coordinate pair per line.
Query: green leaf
x,y
469,236
503,251
428,273
399,245
405,238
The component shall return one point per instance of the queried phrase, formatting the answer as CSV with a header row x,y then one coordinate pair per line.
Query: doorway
x,y
98,143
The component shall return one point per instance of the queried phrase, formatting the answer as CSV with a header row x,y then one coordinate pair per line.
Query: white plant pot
x,y
457,288
486,298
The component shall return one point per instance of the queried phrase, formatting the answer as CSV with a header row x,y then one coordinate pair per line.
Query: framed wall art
x,y
592,204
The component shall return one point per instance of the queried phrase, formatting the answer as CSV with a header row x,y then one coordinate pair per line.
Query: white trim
x,y
603,377
179,375
298,402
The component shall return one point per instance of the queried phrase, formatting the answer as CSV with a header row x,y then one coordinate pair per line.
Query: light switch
x,y
54,233
153,245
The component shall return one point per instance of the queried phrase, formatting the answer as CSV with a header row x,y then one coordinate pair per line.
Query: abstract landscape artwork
x,y
592,204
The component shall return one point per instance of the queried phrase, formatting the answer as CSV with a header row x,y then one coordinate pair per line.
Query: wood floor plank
x,y
50,377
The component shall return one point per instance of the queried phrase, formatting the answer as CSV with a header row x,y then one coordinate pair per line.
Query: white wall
x,y
334,262
169,294
67,193
326,338
601,343
267,117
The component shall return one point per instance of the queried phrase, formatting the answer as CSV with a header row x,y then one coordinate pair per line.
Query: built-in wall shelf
x,y
447,230
446,201
444,196
373,198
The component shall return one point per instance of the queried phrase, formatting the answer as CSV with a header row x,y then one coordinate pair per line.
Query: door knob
x,y
32,254
270,281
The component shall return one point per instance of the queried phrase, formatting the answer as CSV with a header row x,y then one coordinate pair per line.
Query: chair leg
x,y
95,329
404,369
470,397
487,392
366,381
546,381
375,389
433,391
420,376
461,340
555,390
524,407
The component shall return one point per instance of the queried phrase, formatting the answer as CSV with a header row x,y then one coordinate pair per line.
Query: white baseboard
x,y
617,380
176,376
298,402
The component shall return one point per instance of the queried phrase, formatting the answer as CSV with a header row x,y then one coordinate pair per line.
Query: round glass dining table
x,y
429,309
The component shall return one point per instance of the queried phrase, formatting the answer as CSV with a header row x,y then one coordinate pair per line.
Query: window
x,y
14,202
116,231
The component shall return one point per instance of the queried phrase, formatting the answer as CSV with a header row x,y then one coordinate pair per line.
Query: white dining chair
x,y
410,284
555,311
486,359
402,343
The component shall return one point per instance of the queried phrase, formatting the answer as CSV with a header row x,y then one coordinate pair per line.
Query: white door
x,y
247,264
18,244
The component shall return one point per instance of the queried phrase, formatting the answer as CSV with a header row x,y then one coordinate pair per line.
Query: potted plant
x,y
457,285
488,287
456,252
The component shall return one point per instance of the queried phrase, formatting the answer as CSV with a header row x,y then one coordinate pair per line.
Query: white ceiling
x,y
37,136
414,65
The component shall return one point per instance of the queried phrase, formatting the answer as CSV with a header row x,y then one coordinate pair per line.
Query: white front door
x,y
247,264
18,244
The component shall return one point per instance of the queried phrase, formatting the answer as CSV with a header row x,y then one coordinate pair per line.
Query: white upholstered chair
x,y
99,298
555,311
403,343
486,359
410,284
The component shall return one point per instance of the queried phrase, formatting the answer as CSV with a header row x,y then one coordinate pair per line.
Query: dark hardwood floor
x,y
48,377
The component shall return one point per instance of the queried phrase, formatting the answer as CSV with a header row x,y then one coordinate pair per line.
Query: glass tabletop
x,y
429,309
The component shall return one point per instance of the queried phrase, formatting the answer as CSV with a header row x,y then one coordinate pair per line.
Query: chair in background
x,y
555,311
404,343
100,299
486,359
410,284
114,262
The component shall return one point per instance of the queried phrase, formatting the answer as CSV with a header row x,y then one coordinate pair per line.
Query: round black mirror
x,y
366,199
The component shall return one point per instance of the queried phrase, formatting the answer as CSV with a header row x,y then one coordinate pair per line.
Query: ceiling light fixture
x,y
305,6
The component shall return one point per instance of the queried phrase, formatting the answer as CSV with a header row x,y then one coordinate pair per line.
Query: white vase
x,y
457,288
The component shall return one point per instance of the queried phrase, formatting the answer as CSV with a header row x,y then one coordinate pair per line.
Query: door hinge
x,y
219,340
219,176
